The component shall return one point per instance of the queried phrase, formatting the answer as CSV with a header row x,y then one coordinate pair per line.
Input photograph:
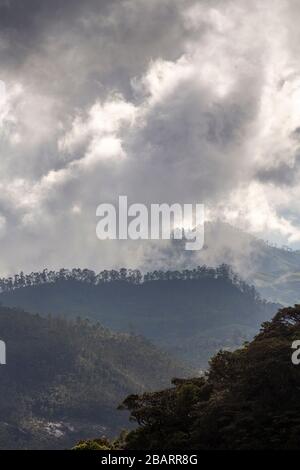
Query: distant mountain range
x,y
274,271
192,314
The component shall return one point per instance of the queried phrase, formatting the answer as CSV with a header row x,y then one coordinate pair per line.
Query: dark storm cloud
x,y
31,16
25,24
282,175
162,100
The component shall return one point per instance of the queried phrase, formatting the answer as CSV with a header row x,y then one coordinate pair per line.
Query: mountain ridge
x,y
180,315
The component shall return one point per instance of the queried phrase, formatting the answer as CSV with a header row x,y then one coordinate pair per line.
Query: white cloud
x,y
207,110
259,209
102,120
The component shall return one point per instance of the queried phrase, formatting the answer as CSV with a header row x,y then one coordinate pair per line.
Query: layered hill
x,y
66,378
190,313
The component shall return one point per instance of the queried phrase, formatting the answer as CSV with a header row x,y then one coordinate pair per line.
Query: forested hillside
x,y
65,378
249,399
192,313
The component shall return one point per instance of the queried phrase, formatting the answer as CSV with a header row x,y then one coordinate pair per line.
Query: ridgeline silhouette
x,y
133,276
190,313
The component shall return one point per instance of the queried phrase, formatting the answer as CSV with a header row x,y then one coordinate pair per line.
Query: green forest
x,y
65,378
248,399
204,362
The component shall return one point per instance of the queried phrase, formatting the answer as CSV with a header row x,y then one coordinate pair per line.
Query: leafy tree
x,y
95,444
248,399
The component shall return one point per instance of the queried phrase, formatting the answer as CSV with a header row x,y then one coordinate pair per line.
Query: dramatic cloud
x,y
160,100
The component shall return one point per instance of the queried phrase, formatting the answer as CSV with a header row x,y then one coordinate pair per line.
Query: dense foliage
x,y
133,276
66,378
249,399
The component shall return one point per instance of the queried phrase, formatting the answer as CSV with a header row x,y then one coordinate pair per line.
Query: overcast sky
x,y
160,100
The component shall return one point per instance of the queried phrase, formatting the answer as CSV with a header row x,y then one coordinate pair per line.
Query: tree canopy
x,y
133,276
248,399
